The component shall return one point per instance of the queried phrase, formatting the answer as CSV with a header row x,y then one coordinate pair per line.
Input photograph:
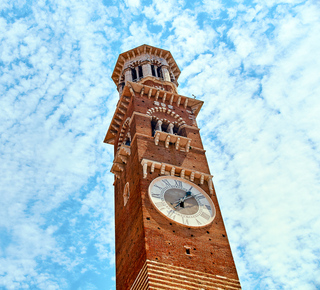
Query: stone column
x,y
128,75
158,126
165,73
146,69
170,128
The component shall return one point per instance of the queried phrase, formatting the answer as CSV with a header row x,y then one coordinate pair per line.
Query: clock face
x,y
182,201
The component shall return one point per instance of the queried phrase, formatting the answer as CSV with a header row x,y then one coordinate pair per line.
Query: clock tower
x,y
169,229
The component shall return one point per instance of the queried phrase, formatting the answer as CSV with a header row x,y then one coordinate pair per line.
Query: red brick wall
x,y
141,231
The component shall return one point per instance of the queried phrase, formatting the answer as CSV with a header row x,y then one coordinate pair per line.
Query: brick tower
x,y
169,229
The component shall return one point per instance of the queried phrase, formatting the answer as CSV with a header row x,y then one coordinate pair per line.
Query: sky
x,y
256,66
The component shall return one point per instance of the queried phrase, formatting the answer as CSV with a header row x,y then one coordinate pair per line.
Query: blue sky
x,y
255,64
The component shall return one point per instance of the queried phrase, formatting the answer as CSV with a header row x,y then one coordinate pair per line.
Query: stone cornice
x,y
161,96
169,169
166,97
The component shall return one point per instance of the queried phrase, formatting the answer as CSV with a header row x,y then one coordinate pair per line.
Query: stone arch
x,y
122,132
179,120
156,62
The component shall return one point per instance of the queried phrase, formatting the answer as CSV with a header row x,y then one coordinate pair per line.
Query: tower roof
x,y
144,49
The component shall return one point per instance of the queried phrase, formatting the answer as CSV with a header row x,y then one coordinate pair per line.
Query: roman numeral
x,y
170,213
166,182
205,216
155,195
156,185
178,183
199,223
208,207
185,221
190,188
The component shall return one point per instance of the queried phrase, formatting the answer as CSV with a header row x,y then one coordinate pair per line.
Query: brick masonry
x,y
152,251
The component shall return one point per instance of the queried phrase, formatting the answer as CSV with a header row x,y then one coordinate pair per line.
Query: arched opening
x,y
153,126
127,140
140,71
159,72
134,74
153,70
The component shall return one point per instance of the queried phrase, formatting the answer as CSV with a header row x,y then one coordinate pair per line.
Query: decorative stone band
x,y
165,97
148,92
120,160
163,109
169,169
156,275
181,143
118,117
122,131
144,52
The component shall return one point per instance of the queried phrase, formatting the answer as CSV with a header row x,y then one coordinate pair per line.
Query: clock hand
x,y
178,201
187,196
183,199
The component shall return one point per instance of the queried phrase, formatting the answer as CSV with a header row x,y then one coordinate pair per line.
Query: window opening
x,y
153,70
134,74
128,139
158,126
175,129
140,72
153,126
159,71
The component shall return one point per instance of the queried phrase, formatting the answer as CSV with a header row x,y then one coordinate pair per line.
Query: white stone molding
x,y
179,142
157,95
179,120
164,98
185,103
167,141
166,168
179,100
142,92
170,97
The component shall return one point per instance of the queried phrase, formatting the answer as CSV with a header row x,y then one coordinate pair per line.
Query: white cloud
x,y
268,166
133,3
187,40
259,78
139,35
163,12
